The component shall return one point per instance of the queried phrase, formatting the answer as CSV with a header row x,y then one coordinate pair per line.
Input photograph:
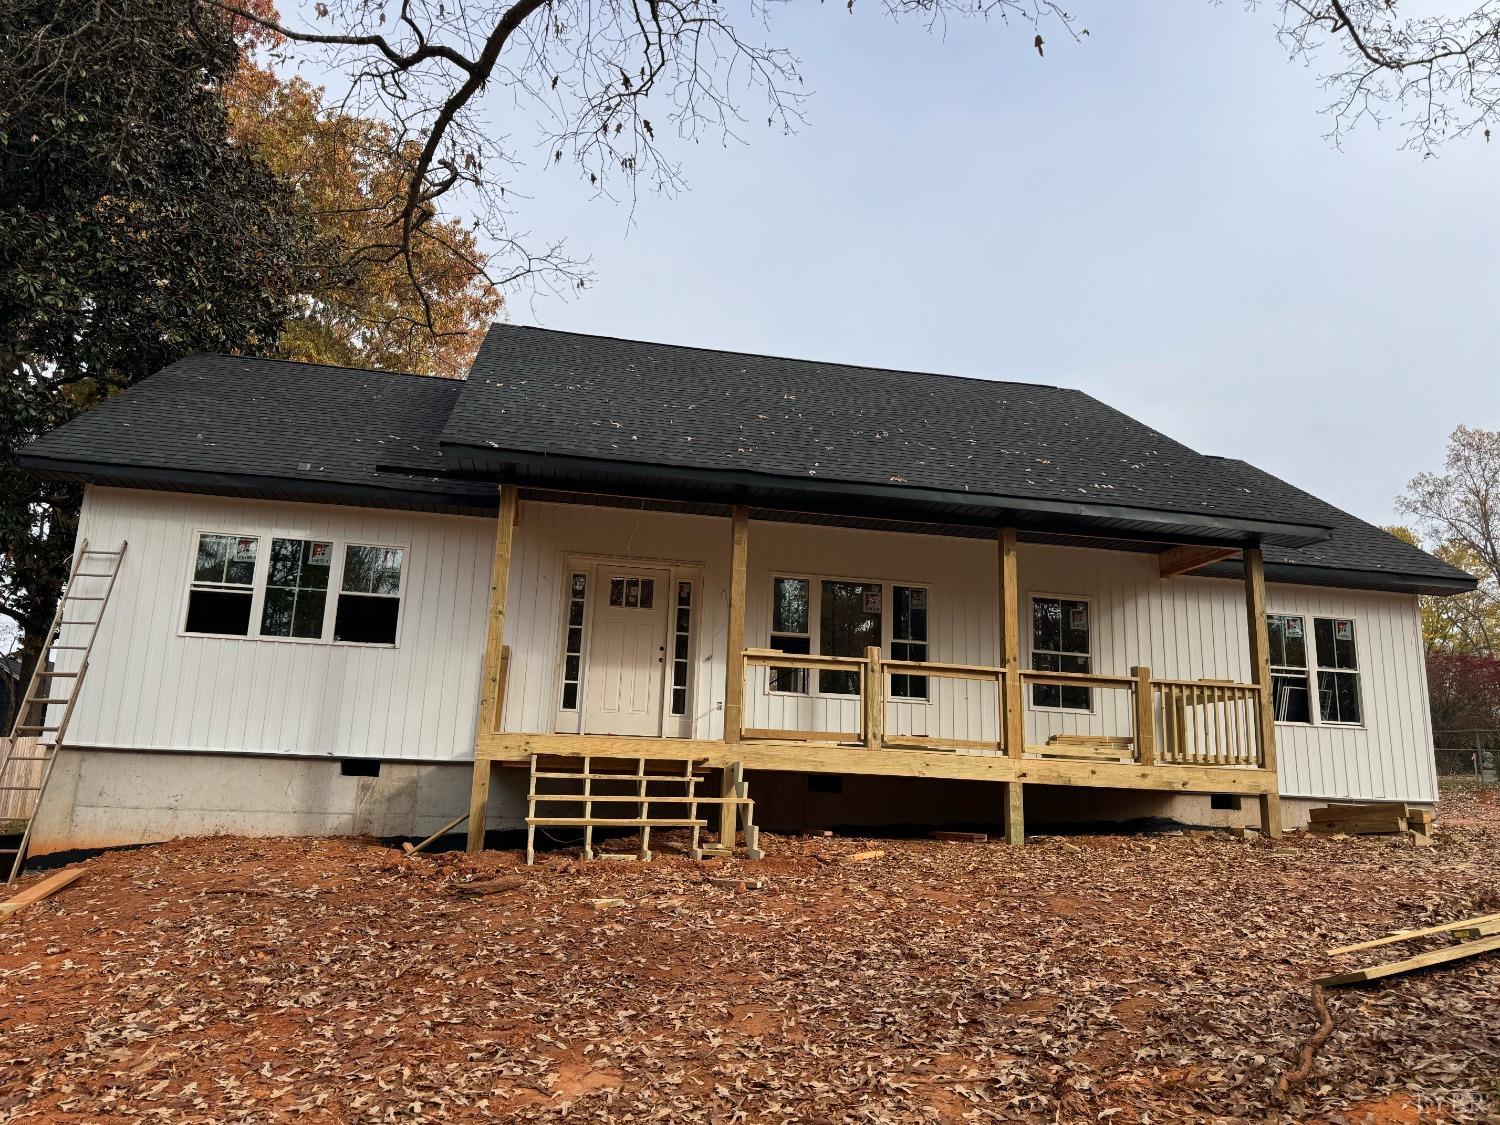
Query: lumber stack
x,y
1372,819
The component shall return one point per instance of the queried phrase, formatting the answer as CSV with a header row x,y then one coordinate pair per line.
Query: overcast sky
x,y
1152,216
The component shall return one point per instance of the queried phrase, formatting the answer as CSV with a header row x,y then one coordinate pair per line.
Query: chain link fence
x,y
1470,754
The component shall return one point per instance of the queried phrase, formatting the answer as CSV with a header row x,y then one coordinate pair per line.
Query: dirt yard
x,y
1113,978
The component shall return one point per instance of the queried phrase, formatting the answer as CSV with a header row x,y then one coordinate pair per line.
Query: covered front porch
x,y
760,663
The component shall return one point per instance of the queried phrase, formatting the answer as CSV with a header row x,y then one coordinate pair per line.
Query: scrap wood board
x,y
1478,926
38,891
1420,961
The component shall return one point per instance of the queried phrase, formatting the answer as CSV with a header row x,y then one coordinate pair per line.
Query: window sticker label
x,y
244,550
872,599
1078,618
918,598
319,554
1294,628
1343,630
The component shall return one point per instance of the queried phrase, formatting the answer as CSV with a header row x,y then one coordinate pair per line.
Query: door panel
x,y
626,669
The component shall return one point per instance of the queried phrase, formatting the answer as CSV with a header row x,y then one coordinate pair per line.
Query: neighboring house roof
x,y
563,410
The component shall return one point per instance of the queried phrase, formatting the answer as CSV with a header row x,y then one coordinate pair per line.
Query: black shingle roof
x,y
571,395
224,423
303,431
1357,553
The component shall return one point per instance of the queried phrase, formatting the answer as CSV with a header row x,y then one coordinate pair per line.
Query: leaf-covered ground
x,y
1087,978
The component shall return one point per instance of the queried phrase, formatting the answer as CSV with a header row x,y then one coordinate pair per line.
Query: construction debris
x,y
1420,961
960,837
38,891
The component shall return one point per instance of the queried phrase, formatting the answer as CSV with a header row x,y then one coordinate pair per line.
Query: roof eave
x,y
1350,578
751,486
439,498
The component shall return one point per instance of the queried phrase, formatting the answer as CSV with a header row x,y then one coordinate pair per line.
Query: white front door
x,y
627,651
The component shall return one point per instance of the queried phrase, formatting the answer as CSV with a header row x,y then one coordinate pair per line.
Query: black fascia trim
x,y
1353,578
1241,530
252,485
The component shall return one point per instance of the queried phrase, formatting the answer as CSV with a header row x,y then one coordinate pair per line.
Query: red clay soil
x,y
1105,978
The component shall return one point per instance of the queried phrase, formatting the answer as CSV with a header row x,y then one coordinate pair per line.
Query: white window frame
x,y
342,546
815,630
1315,665
1031,650
260,581
1307,671
1315,700
256,587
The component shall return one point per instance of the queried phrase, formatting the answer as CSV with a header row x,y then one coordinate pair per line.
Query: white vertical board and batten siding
x,y
152,687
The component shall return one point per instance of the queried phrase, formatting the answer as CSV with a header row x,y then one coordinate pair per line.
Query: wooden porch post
x,y
492,685
1012,715
1145,717
734,663
1260,669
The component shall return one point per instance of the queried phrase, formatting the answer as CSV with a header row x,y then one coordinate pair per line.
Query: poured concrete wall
x,y
111,798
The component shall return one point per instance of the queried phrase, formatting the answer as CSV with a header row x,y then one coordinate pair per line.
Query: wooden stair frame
x,y
737,802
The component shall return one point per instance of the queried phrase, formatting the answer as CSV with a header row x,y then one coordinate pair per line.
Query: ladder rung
x,y
628,799
101,554
83,597
39,699
39,672
95,574
67,648
20,788
33,726
78,621
27,758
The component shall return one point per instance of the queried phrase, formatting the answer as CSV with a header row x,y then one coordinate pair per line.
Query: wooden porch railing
x,y
1171,722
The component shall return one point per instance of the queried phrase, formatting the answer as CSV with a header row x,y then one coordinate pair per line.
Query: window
x,y
632,593
296,588
908,638
849,623
837,617
790,620
1060,643
682,631
369,600
1288,657
1338,670
573,644
223,585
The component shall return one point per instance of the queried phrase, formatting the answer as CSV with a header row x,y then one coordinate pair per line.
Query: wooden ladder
x,y
32,747
634,809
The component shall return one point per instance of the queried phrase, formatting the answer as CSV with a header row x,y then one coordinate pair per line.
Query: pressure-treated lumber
x,y
873,690
1014,813
1145,717
413,849
1420,961
1260,672
799,757
38,891
496,662
734,685
1013,719
1485,922
1181,560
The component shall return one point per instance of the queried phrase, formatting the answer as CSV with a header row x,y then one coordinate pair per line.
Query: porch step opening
x,y
654,796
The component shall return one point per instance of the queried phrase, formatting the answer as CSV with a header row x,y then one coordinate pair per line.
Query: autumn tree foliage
x,y
1457,517
1465,690
367,304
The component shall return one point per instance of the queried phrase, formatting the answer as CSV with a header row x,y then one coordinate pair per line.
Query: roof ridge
x,y
323,366
784,358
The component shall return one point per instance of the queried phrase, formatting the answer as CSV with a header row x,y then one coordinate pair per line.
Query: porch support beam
x,y
734,683
1260,671
1015,812
492,689
1182,560
1014,732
